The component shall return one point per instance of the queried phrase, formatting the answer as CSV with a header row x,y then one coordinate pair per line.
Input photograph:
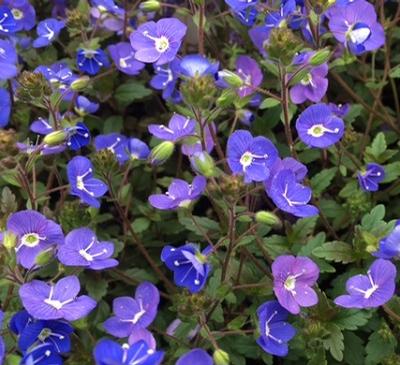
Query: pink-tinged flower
x,y
158,42
371,290
293,281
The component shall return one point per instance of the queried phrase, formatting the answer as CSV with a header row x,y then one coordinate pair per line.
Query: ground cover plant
x,y
199,182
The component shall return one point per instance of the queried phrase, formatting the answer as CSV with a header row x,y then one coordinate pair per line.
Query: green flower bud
x,y
161,153
150,5
320,57
283,45
221,357
199,91
55,138
80,84
33,87
9,240
231,78
44,257
267,218
204,164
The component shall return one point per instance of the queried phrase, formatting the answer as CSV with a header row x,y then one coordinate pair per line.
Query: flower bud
x,y
161,153
199,91
221,357
44,257
230,78
150,5
203,163
283,45
320,57
9,240
55,138
80,84
267,218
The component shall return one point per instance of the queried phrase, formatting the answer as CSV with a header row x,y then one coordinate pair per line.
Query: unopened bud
x,y
245,116
221,357
9,240
203,163
44,257
80,84
150,5
320,57
267,218
55,138
230,78
161,153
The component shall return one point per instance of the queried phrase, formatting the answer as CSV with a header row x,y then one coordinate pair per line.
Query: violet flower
x,y
178,128
114,142
56,301
370,178
195,357
123,56
249,71
389,247
371,290
293,281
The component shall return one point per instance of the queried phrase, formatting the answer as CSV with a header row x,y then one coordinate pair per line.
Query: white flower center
x,y
318,130
31,239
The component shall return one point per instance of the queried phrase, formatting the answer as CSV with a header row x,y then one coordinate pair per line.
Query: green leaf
x,y
8,202
336,251
269,103
140,224
395,72
130,92
354,349
96,288
322,180
378,146
352,319
379,347
13,360
334,342
392,172
374,218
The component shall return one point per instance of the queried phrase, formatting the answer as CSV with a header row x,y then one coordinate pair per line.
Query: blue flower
x,y
195,357
8,25
178,128
389,247
165,79
275,332
5,107
8,60
2,344
196,65
370,178
91,61
23,13
137,149
43,354
85,106
249,156
77,136
114,142
291,196
238,5
277,19
48,30
123,56
83,184
108,352
189,265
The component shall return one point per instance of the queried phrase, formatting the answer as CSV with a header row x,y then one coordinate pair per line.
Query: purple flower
x,y
83,184
58,301
251,157
91,61
5,107
81,248
370,178
77,136
318,127
247,16
165,79
178,128
196,65
132,314
340,110
158,42
180,194
191,147
108,352
371,290
48,30
35,234
356,26
314,85
389,247
123,56
8,59
293,279
142,334
2,344
41,126
23,13
249,71
189,265
85,106
275,332
44,354
137,149
278,19
259,36
195,357
239,5
8,25
289,195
